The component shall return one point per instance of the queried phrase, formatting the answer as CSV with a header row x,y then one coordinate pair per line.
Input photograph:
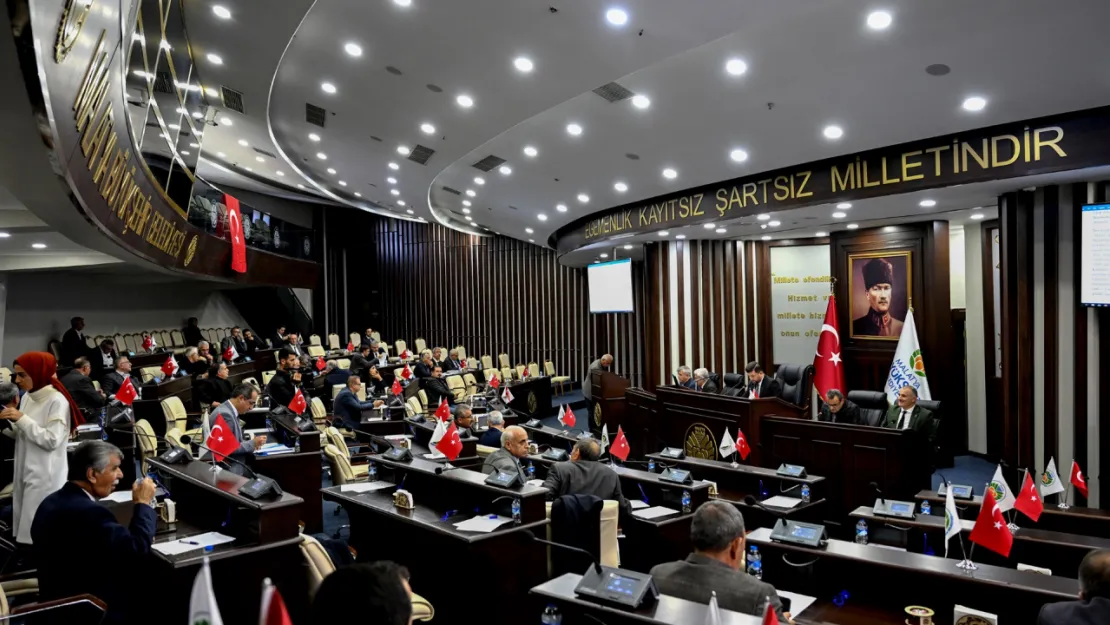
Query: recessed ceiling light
x,y
541,217
174,127
467,217
322,156
403,150
562,208
300,186
194,145
466,202
822,234
975,103
427,128
664,233
574,129
977,215
879,20
889,229
353,49
185,152
763,217
680,236
620,187
357,194
394,166
529,230
670,174
221,12
403,3
766,237
628,246
927,203
641,101
470,193
248,169
774,224
465,101
400,202
197,114
736,67
260,159
391,180
342,184
833,132
221,155
852,226
523,64
710,226
844,205
603,255
505,170
839,215
179,110
328,87
479,180
721,230
530,151
466,211
199,133
279,172
409,211
39,246
331,170
163,135
215,59
738,155
243,142
141,74
582,197
4,235
616,17
313,136
395,192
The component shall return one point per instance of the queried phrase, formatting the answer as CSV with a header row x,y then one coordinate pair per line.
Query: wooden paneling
x,y
1016,215
1051,200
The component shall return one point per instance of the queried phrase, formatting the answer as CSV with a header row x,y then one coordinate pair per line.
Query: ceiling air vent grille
x,y
163,83
450,190
489,163
315,115
421,154
265,153
233,100
613,92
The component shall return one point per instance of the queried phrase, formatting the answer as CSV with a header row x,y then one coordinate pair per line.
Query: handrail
x,y
56,604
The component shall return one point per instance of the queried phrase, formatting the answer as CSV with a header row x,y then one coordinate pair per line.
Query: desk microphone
x,y
752,501
878,492
570,548
188,440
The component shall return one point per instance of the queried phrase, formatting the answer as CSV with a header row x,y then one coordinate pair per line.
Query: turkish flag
x,y
507,396
991,530
273,610
827,370
406,373
1076,477
235,228
127,394
405,355
450,445
463,363
443,412
320,364
742,444
221,441
396,386
525,373
567,418
1029,500
148,343
769,616
495,381
298,404
229,354
350,346
620,447
170,366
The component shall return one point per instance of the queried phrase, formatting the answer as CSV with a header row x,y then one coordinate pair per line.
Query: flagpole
x,y
734,463
1063,505
967,564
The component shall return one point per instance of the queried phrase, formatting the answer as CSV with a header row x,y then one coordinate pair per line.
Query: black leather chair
x,y
716,379
932,405
734,384
872,406
796,381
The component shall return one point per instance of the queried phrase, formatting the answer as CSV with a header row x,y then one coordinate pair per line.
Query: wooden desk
x,y
297,473
422,435
531,397
1076,520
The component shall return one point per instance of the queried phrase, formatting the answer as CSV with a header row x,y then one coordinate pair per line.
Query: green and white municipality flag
x,y
202,603
1050,480
951,519
1003,496
908,368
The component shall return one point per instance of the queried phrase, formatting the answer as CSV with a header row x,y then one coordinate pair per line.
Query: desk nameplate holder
x,y
676,476
674,453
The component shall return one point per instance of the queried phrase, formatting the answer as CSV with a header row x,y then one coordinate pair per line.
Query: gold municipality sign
x,y
597,414
700,442
532,403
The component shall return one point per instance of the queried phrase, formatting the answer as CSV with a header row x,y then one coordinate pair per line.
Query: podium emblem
x,y
532,402
700,442
191,251
597,414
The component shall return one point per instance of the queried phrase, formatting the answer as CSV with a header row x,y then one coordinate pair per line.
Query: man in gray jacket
x,y
242,400
584,475
598,365
514,446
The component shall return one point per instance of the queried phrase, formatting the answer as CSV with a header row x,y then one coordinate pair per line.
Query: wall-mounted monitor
x,y
610,286
1094,267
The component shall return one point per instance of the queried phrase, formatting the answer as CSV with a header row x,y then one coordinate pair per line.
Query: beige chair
x,y
560,380
178,338
341,470
421,345
173,438
491,374
356,338
423,399
462,352
96,385
413,407
336,438
319,412
484,451
487,362
149,373
253,382
148,441
519,369
504,360
266,376
6,376
457,386
333,341
361,394
471,383
376,335
401,347
335,389
343,363
314,340
176,417
506,375
316,351
610,548
533,370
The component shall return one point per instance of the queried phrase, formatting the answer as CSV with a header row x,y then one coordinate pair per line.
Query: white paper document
x,y
535,482
780,501
434,456
654,512
798,603
119,496
88,427
483,524
273,449
637,504
200,541
365,487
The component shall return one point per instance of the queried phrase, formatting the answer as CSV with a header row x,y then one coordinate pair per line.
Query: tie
x,y
902,420
755,392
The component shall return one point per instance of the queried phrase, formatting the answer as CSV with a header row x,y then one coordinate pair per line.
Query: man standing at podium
x,y
601,364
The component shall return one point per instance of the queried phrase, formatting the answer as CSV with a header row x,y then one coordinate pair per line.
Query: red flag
x,y
406,373
148,343
991,530
1077,478
567,418
273,607
525,373
827,370
1029,500
507,396
620,447
235,228
221,441
495,381
350,346
396,386
405,355
229,354
170,366
320,364
127,393
298,404
463,363
769,616
450,445
443,412
742,444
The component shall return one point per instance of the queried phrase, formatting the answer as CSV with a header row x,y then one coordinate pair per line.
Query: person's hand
x,y
11,414
143,491
789,618
259,441
215,404
378,403
101,391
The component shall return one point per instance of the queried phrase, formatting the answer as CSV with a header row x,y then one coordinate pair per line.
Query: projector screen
x,y
1095,266
610,286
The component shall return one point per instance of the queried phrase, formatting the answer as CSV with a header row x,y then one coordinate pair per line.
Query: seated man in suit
x,y
454,363
684,378
360,360
703,383
1093,606
73,342
717,565
80,387
105,551
242,400
437,358
375,383
424,368
837,409
378,353
283,386
193,364
293,344
583,475
464,421
204,351
236,342
492,436
514,446
112,381
279,337
435,387
253,342
348,408
103,359
334,375
760,385
907,415
368,338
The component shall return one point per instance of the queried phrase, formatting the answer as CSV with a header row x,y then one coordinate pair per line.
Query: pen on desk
x,y
189,542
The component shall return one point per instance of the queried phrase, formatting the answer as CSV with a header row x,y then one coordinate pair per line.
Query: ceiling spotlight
x,y
194,145
833,132
617,17
975,103
603,255
765,237
357,194
427,128
879,20
394,166
839,215
185,152
541,217
466,202
738,155
215,59
529,230
403,150
583,198
670,174
300,186
467,217
763,217
353,49
466,211
530,151
465,101
165,45
331,170
822,234
221,12
175,127
409,211
197,114
977,216
322,156
403,3
574,129
852,226
243,142
39,246
680,236
4,235
328,87
523,64
628,246
505,170
399,202
562,208
248,169
479,180
260,159
641,101
313,136
179,110
620,187
927,203
221,155
710,226
141,74
664,233
736,67
721,230
844,205
391,180
774,224
342,184
280,173
395,192
470,193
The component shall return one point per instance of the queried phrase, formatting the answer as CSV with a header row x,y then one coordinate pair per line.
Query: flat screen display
x,y
621,584
610,286
901,508
805,533
1094,266
961,491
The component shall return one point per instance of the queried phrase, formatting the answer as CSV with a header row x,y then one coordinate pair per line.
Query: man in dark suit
x,y
191,333
454,363
293,344
507,459
1093,606
583,475
378,353
492,436
253,342
283,386
80,387
437,358
360,360
279,337
837,409
106,552
103,358
684,378
114,380
907,415
424,368
717,565
73,342
760,385
435,387
703,383
348,408
235,340
464,421
368,338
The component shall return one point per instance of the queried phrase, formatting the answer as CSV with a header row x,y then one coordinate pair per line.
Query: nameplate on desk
x,y
959,491
791,470
894,508
806,534
674,453
677,476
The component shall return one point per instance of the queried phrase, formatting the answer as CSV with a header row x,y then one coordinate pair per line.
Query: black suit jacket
x,y
359,365
1093,612
422,370
708,387
96,360
849,413
95,559
73,347
240,345
212,390
192,336
80,386
452,365
769,387
436,389
585,477
113,380
281,388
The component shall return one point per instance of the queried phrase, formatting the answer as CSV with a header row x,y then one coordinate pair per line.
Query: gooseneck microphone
x,y
878,491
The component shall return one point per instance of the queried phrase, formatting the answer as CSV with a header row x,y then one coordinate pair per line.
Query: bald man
x,y
601,364
514,446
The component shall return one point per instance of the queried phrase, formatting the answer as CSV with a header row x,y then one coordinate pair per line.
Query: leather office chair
x,y
413,407
462,352
420,344
173,438
148,441
341,470
343,363
457,386
503,359
356,338
487,362
533,370
519,369
253,382
734,383
177,417
401,347
336,438
560,380
149,373
333,342
266,376
316,351
335,389
796,381
872,406
128,341
471,383
314,340
608,547
377,336
423,396
506,375
319,412
6,376
932,405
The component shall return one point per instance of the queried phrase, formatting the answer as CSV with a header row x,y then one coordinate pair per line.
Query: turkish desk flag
x,y
1029,500
443,411
742,444
170,366
507,396
525,373
221,441
827,370
298,404
620,447
450,445
991,530
495,381
567,418
273,607
235,228
350,346
1076,477
229,353
320,364
127,393
148,343
406,373
463,363
769,616
396,386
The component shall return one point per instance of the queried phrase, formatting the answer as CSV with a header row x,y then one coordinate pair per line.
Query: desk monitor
x,y
674,453
798,533
555,454
894,508
678,476
959,491
503,479
629,589
791,470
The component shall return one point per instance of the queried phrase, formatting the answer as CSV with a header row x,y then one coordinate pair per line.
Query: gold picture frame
x,y
865,322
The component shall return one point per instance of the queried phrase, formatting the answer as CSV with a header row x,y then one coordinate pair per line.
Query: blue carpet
x,y
968,470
